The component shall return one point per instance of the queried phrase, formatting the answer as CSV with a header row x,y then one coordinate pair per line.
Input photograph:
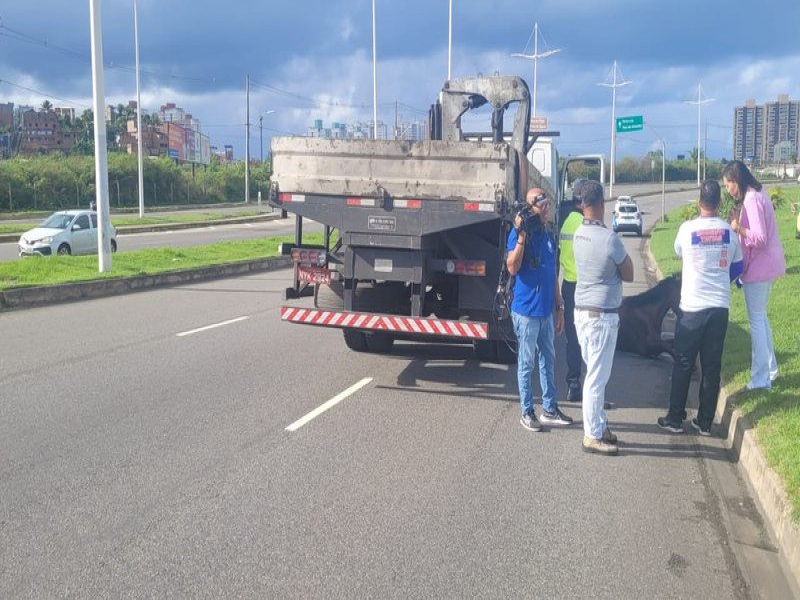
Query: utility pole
x,y
247,143
699,102
614,85
535,58
100,149
261,137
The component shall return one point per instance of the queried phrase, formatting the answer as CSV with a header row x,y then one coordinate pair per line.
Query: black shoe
x,y
556,418
696,426
671,427
574,393
529,422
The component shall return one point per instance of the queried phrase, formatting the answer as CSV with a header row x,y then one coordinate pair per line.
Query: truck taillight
x,y
413,204
309,257
478,206
361,202
475,268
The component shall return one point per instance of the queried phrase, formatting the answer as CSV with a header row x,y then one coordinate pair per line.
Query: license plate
x,y
313,275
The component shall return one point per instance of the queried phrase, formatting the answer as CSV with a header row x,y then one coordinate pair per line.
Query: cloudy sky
x,y
312,59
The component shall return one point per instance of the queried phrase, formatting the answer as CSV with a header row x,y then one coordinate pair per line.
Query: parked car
x,y
627,216
64,232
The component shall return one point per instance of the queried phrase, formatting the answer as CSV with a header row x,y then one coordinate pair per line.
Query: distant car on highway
x,y
64,232
627,216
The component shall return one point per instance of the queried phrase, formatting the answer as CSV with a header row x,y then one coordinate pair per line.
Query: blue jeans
x,y
535,334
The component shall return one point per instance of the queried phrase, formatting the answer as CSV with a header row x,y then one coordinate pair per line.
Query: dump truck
x,y
414,231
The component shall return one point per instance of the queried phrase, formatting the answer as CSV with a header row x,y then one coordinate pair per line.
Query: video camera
x,y
523,210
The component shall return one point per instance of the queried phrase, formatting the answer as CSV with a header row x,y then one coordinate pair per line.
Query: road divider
x,y
329,404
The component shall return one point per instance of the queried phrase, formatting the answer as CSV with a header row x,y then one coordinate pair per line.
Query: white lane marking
x,y
329,404
214,326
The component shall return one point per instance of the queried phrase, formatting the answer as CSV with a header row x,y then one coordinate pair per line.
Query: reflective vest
x,y
566,256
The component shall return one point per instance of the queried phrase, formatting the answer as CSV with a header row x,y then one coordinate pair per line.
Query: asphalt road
x,y
144,452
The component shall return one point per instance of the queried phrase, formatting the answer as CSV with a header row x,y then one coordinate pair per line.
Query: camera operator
x,y
531,260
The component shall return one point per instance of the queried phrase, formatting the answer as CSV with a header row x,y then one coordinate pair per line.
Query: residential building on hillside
x,y
41,132
7,116
65,112
767,134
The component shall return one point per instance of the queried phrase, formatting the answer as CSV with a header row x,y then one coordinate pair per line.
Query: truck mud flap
x,y
398,324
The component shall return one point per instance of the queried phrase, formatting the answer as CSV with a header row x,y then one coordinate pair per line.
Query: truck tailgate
x,y
465,171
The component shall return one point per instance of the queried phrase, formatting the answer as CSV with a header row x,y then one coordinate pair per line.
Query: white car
x,y
64,232
627,216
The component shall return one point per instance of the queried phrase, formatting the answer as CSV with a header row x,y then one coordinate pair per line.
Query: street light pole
x,y
261,137
450,41
374,79
663,171
138,109
535,58
699,102
614,85
100,149
247,143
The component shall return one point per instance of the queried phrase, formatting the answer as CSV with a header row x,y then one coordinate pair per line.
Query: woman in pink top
x,y
754,220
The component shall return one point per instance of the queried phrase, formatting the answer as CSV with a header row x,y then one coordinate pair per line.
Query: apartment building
x,y
767,134
41,132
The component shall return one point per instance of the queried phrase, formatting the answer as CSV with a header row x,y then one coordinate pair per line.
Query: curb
x,y
13,237
22,298
742,440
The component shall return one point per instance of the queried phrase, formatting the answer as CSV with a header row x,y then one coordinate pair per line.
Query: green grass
x,y
776,414
53,270
154,220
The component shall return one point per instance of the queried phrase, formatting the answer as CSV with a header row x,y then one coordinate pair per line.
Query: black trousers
x,y
700,332
573,348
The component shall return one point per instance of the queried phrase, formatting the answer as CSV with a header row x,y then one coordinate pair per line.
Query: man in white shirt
x,y
711,258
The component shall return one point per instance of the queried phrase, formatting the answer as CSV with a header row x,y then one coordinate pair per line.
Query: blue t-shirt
x,y
535,284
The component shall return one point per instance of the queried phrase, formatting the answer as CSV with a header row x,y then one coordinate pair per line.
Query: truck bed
x,y
458,171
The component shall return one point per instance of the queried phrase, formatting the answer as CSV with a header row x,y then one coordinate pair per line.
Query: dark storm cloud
x,y
316,54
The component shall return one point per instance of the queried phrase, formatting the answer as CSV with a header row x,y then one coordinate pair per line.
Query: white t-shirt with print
x,y
707,247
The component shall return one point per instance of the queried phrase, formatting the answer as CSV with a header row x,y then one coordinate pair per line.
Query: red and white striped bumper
x,y
393,323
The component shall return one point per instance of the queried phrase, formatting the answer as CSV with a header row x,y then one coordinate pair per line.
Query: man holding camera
x,y
531,260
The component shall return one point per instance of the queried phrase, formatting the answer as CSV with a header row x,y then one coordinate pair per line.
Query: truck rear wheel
x,y
380,343
495,351
355,340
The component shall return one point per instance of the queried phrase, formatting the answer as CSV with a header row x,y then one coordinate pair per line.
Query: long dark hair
x,y
737,171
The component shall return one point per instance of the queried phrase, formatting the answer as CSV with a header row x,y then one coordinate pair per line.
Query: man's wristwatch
x,y
559,307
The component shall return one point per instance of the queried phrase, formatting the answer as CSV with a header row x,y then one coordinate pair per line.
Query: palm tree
x,y
46,106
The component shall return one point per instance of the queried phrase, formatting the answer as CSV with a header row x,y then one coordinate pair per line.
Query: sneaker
x,y
574,393
671,427
696,426
529,422
599,446
556,418
609,437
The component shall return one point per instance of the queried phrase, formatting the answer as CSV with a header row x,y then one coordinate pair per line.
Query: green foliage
x,y
688,212
58,181
778,197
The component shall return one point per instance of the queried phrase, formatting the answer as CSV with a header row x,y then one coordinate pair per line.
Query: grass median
x,y
775,415
130,221
54,270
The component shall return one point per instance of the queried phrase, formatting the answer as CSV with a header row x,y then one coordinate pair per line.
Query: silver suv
x,y
627,216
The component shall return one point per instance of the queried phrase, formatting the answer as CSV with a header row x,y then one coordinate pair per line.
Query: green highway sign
x,y
625,124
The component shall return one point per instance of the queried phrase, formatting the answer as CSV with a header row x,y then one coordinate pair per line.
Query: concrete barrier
x,y
38,296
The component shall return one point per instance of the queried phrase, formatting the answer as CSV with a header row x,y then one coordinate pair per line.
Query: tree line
x,y
62,181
